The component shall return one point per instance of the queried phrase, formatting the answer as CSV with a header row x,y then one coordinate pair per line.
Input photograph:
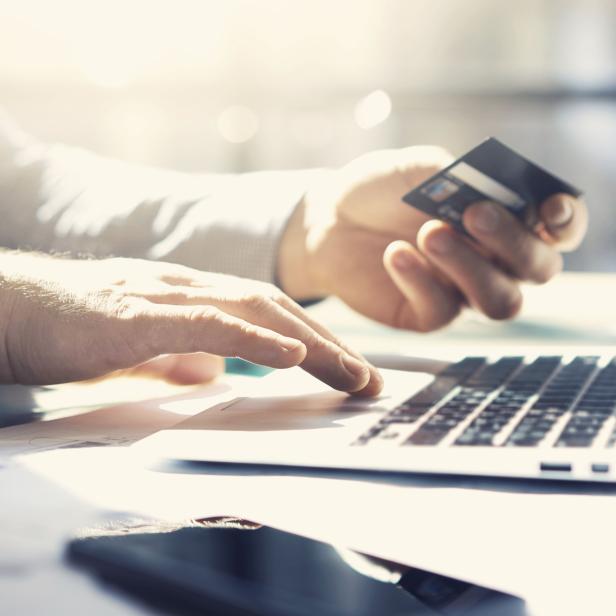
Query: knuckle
x,y
206,314
282,299
247,330
317,343
119,305
257,303
244,334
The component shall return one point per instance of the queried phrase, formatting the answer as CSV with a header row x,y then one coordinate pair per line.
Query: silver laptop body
x,y
548,416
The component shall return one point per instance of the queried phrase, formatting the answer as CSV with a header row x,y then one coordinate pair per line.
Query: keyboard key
x,y
591,411
575,441
406,418
493,375
426,437
471,437
576,387
420,403
508,403
557,398
529,432
463,369
434,392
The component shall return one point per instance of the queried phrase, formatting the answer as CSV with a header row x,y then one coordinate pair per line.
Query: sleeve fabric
x,y
56,198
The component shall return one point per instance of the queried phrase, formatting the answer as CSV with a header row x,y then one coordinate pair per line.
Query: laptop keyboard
x,y
508,403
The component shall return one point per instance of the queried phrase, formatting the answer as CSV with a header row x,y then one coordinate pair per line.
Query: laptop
x,y
543,416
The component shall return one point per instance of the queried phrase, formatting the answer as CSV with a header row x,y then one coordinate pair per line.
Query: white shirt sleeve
x,y
64,199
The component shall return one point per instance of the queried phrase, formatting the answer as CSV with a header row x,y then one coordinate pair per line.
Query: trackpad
x,y
289,417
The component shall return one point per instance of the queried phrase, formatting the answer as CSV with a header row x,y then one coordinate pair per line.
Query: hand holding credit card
x,y
408,268
491,171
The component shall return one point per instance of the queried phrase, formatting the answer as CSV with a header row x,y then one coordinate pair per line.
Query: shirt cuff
x,y
239,226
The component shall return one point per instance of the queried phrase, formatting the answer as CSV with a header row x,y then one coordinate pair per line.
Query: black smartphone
x,y
267,572
239,572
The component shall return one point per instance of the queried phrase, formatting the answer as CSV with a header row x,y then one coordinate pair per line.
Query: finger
x,y
486,287
426,303
161,329
255,310
187,369
374,385
324,359
565,221
525,255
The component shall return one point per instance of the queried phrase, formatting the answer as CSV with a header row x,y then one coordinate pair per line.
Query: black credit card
x,y
490,171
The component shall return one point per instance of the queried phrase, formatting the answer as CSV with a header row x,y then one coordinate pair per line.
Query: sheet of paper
x,y
531,544
121,424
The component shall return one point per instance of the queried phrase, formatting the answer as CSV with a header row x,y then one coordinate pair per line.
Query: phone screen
x,y
232,571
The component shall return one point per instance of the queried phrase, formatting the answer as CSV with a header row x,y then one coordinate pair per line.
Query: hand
x,y
354,237
65,320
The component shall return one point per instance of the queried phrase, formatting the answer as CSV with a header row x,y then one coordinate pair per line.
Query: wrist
x,y
22,290
8,299
294,270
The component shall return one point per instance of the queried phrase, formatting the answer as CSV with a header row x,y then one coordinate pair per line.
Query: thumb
x,y
184,369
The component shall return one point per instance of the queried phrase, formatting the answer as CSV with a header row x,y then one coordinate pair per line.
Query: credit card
x,y
489,171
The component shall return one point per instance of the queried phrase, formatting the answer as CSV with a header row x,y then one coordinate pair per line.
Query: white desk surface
x,y
555,549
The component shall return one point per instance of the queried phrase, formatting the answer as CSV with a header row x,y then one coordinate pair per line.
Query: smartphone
x,y
238,572
267,572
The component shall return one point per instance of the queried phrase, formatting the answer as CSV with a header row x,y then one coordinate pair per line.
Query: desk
x,y
42,502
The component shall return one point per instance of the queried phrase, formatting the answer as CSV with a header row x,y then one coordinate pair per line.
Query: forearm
x,y
8,282
6,371
32,285
57,198
295,276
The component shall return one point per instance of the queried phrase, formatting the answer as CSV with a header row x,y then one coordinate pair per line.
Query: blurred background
x,y
199,85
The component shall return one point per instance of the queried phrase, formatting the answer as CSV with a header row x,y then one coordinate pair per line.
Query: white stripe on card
x,y
486,185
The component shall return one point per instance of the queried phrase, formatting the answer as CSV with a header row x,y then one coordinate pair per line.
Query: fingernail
x,y
560,213
440,242
355,367
402,261
485,218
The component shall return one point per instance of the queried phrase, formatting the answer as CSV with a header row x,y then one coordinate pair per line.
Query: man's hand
x,y
66,320
354,237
